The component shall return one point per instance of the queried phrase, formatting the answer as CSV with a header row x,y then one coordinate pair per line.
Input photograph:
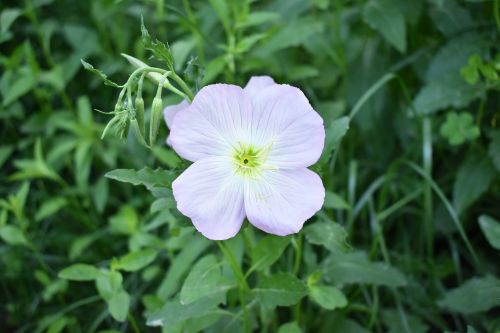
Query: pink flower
x,y
251,148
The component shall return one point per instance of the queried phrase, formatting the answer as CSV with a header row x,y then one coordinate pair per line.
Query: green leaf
x,y
173,312
347,268
24,82
193,247
50,207
331,235
258,18
267,251
160,50
385,17
494,149
126,221
327,296
473,179
459,128
291,327
476,295
135,261
222,9
491,229
394,322
12,235
99,73
108,283
8,17
146,176
280,289
80,272
334,134
5,152
118,305
204,280
335,201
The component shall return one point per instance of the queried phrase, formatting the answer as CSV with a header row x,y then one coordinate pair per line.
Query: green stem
x,y
133,322
183,86
240,277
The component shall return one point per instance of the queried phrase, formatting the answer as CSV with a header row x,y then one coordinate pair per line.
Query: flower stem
x,y
240,277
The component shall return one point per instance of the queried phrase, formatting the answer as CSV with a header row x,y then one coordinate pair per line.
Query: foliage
x,y
407,240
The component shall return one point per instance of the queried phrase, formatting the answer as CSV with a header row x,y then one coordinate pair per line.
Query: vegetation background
x,y
408,239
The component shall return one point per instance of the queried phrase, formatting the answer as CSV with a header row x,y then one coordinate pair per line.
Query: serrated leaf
x,y
476,295
79,272
473,179
331,235
267,251
204,280
385,17
348,268
491,229
159,49
280,289
99,73
327,297
135,261
146,176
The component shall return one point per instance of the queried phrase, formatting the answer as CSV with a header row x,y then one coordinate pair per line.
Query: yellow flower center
x,y
247,160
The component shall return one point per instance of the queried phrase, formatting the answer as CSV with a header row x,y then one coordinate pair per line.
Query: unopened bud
x,y
156,117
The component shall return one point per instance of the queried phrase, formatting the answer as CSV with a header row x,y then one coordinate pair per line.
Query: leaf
x,y
79,272
494,149
459,128
267,251
449,17
204,280
146,176
258,18
182,262
335,201
334,134
328,297
354,267
291,327
394,322
12,235
331,235
491,229
173,312
50,207
135,261
476,295
385,17
280,289
221,7
473,179
99,73
5,152
126,221
447,91
160,50
108,283
118,305
24,82
7,17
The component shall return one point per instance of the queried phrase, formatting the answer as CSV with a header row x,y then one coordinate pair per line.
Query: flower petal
x,y
171,111
211,195
217,119
257,83
285,122
279,202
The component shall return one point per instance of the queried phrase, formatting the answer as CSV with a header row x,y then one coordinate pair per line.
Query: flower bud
x,y
139,113
156,117
134,124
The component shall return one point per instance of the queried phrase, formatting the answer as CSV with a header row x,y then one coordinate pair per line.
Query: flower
x,y
251,148
170,112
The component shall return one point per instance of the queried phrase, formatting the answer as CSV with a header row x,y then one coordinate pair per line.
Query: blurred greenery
x,y
409,235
